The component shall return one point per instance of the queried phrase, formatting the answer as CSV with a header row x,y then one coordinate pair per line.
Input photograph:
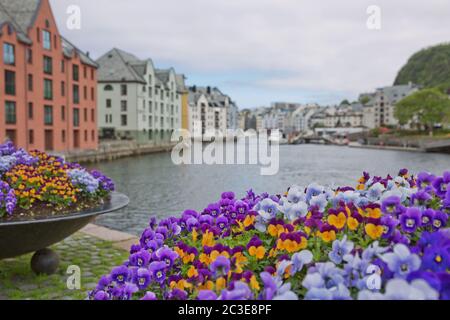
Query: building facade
x,y
213,109
48,89
383,104
136,101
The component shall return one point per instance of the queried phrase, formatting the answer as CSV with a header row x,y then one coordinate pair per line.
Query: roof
x,y
397,92
179,79
20,14
120,66
214,96
69,50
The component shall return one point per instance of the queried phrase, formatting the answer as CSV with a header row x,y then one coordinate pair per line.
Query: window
x,y
48,115
85,115
63,113
48,89
123,90
30,110
85,135
123,120
30,82
108,103
63,66
76,94
123,105
85,93
10,112
150,106
29,55
93,135
31,136
10,82
63,136
9,57
48,65
93,115
150,121
63,89
75,73
84,72
76,117
47,40
92,94
108,87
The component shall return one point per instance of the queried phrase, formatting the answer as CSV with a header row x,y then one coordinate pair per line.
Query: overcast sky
x,y
260,51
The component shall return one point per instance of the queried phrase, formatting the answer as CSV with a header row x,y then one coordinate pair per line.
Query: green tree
x,y
427,107
364,99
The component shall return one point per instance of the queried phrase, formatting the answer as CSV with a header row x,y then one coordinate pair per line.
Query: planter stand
x,y
37,234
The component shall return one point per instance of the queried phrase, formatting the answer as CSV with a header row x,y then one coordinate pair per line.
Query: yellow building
x,y
182,90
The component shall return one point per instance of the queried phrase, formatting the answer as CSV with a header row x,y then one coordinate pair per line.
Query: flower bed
x,y
384,239
35,183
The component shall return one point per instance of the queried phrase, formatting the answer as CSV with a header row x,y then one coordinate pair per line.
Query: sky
x,y
261,51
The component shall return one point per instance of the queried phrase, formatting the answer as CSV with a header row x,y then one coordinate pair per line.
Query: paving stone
x,y
28,287
93,255
90,285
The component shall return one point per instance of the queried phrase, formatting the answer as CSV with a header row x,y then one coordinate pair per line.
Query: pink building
x,y
48,87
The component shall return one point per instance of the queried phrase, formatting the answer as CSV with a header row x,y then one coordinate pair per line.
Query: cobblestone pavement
x,y
93,256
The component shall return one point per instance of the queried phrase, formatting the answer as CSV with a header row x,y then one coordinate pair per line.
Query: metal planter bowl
x,y
25,236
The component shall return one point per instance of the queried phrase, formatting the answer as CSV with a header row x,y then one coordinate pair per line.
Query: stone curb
x,y
120,240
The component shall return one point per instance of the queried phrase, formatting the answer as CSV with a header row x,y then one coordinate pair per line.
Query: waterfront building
x,y
383,104
137,101
344,116
212,108
300,118
48,89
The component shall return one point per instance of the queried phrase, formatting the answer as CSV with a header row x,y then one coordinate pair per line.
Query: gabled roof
x,y
20,14
119,66
181,86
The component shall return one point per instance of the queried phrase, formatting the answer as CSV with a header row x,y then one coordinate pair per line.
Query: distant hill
x,y
429,67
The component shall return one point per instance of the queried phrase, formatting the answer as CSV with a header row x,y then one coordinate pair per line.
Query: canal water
x,y
157,187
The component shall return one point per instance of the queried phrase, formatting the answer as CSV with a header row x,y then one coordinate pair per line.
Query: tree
x,y
364,100
345,103
427,107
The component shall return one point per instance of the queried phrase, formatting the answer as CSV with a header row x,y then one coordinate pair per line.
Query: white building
x,y
213,109
300,118
136,100
382,108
